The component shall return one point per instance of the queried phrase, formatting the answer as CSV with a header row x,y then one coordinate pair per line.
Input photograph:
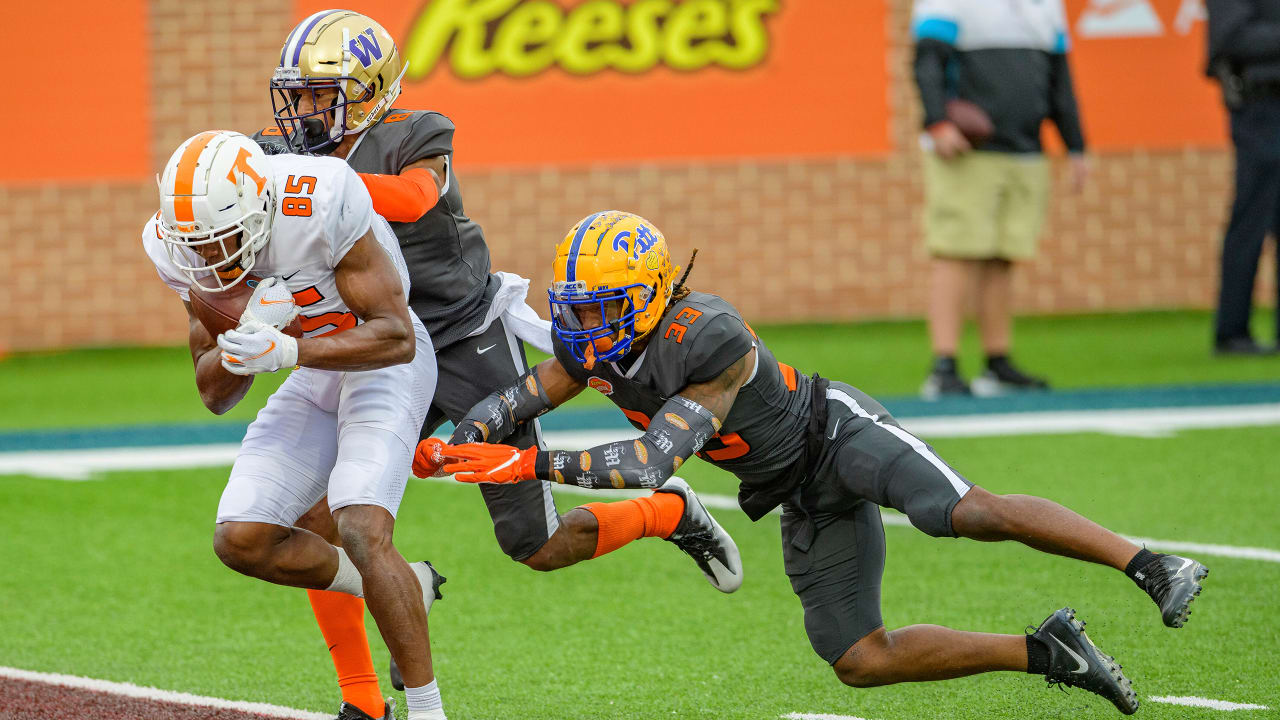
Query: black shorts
x,y
832,538
524,515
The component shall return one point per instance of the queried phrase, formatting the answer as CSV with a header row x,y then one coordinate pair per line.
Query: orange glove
x,y
429,458
484,462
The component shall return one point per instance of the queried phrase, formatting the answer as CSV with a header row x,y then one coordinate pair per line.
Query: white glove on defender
x,y
271,304
257,348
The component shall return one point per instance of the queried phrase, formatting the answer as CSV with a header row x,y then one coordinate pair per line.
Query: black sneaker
x,y
699,535
427,574
941,383
1243,345
1074,661
1173,582
351,712
1003,376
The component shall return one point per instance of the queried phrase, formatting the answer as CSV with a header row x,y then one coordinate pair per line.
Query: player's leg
x,y
380,414
910,477
280,473
833,549
341,620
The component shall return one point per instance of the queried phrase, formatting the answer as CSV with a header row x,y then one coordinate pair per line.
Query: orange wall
x,y
82,108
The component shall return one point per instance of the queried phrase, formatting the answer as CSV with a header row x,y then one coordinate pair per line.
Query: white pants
x,y
348,434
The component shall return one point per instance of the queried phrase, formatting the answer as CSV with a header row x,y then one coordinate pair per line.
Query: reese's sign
x,y
585,82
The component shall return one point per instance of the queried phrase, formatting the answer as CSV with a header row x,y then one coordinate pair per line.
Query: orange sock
x,y
621,522
341,620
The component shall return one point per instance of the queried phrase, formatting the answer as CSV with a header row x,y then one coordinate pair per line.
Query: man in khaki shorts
x,y
984,208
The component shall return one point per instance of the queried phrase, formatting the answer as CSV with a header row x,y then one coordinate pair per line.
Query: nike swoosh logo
x,y
286,277
834,429
264,301
231,359
481,351
1185,564
1082,665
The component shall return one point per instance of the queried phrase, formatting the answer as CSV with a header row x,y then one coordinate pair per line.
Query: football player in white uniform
x,y
346,421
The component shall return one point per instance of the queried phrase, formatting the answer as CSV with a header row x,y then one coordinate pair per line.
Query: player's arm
x,y
409,195
678,430
219,389
370,286
547,386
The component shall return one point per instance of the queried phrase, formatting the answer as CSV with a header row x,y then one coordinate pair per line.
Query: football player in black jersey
x,y
334,93
687,369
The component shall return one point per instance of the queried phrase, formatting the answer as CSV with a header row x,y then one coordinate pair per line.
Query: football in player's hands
x,y
221,311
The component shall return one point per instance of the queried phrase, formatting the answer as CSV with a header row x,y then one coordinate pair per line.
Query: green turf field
x,y
115,578
102,387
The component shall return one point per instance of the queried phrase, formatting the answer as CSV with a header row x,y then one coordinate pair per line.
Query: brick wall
x,y
807,239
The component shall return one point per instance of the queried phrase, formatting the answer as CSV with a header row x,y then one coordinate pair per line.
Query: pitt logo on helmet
x,y
339,74
613,280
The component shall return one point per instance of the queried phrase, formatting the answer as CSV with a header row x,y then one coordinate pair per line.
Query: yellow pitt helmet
x,y
613,272
342,50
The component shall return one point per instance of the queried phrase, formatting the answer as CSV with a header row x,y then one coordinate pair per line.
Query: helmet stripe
x,y
301,38
571,267
184,177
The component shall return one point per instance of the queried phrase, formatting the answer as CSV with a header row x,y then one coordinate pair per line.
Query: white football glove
x,y
257,348
271,304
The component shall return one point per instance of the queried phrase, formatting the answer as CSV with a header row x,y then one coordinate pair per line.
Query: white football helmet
x,y
216,186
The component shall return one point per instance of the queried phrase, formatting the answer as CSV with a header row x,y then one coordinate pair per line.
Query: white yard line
x,y
1207,703
169,696
819,716
80,465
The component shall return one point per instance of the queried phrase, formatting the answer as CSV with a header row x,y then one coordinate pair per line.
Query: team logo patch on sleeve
x,y
531,385
615,478
676,420
600,384
585,460
642,453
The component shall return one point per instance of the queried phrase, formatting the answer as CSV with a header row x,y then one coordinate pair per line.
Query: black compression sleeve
x,y
1062,104
930,71
680,429
494,418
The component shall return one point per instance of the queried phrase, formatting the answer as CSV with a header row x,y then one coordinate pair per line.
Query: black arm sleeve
x,y
494,418
1062,103
680,429
1236,35
930,71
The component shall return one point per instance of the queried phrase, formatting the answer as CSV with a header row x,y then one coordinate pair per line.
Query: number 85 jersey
x,y
322,209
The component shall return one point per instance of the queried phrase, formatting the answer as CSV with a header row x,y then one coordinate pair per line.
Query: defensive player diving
x,y
686,368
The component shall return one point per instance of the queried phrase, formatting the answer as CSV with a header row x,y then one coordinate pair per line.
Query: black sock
x,y
1138,562
995,362
945,364
1037,656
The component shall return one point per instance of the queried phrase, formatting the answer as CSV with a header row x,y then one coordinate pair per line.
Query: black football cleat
x,y
1173,582
351,712
1002,376
1074,661
941,383
699,535
427,575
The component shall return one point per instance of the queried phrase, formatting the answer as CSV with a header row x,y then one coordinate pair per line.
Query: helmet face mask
x,y
614,309
613,271
216,189
341,51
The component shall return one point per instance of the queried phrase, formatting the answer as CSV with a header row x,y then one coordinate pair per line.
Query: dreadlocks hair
x,y
680,292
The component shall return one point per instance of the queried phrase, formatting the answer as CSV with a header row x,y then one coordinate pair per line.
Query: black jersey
x,y
450,286
697,339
